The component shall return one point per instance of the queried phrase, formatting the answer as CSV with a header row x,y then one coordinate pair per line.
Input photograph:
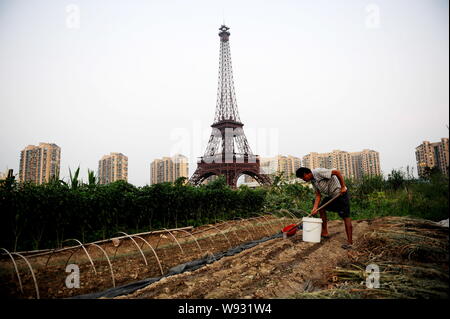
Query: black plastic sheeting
x,y
189,266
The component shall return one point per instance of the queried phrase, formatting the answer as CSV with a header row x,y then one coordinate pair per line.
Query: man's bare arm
x,y
316,203
341,180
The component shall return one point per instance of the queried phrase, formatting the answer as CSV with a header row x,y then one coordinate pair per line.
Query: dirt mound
x,y
411,260
412,256
274,269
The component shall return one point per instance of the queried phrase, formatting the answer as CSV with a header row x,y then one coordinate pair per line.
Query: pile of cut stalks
x,y
412,259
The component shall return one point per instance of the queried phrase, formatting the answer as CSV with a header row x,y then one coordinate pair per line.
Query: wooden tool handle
x,y
321,207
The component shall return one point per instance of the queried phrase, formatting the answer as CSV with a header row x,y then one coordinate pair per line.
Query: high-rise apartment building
x,y
286,164
112,167
313,160
38,164
432,155
366,163
289,165
350,164
168,169
336,159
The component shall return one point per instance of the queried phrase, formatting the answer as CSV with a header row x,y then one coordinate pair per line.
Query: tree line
x,y
43,216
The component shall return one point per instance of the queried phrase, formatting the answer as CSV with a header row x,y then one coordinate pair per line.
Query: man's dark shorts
x,y
340,205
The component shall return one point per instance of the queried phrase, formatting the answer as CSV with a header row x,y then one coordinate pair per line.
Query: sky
x,y
140,78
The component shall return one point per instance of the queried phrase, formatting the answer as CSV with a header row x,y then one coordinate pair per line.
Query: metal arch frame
x,y
262,224
42,252
140,250
85,250
251,224
283,219
15,267
271,220
221,233
109,262
182,251
198,245
32,274
242,220
206,237
51,254
229,227
268,221
290,214
154,253
277,218
159,240
283,215
211,242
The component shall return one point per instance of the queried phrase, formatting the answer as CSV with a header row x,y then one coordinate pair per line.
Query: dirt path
x,y
274,269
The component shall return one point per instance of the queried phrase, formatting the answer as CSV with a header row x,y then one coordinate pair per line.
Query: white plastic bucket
x,y
312,228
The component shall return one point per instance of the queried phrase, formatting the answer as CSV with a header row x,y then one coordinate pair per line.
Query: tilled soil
x,y
128,265
277,268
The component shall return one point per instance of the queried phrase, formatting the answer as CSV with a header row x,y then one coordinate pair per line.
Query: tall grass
x,y
374,196
400,195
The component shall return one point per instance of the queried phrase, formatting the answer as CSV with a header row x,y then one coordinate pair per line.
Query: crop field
x,y
130,258
412,255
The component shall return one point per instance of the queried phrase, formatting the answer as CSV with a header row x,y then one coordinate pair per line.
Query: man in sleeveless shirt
x,y
329,183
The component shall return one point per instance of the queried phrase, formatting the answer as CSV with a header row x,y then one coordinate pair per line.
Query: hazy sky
x,y
140,77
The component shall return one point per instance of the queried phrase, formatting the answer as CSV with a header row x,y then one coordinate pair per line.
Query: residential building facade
x,y
169,169
112,167
433,155
288,165
350,164
368,163
38,164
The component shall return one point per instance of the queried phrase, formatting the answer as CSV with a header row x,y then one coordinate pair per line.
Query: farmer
x,y
329,183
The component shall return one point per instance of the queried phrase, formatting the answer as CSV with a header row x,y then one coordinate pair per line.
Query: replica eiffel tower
x,y
228,152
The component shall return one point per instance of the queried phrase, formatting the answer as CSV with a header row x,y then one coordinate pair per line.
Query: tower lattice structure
x,y
228,152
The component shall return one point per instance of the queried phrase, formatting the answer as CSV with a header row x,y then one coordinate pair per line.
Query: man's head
x,y
304,173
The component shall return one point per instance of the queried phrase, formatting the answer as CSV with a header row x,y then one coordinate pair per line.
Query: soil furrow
x,y
274,269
